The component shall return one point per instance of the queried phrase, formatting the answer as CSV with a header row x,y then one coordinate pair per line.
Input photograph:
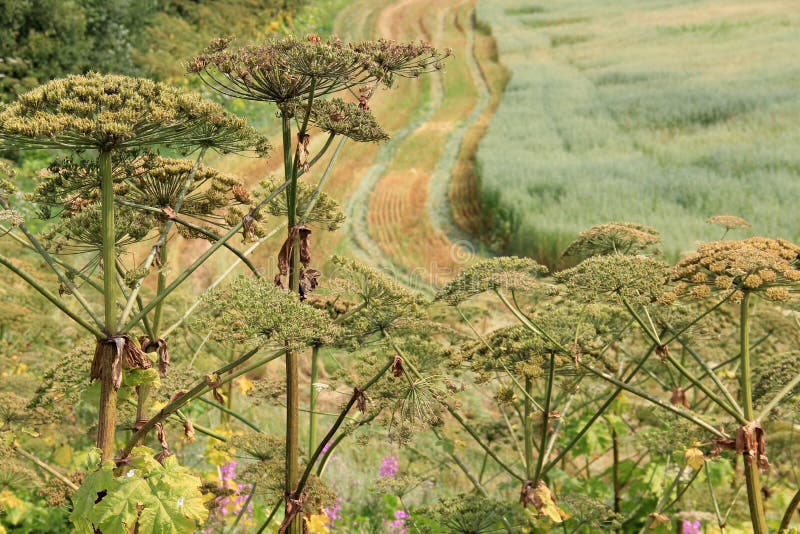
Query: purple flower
x,y
388,467
231,505
333,511
227,471
398,526
691,527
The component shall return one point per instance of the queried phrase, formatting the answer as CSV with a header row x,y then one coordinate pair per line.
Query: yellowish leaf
x,y
694,458
244,385
546,504
658,519
9,501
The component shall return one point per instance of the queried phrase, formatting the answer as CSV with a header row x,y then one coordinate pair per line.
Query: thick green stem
x,y
292,469
791,510
313,393
615,473
108,393
527,426
754,497
548,398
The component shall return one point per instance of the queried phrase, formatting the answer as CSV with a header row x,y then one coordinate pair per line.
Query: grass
x,y
663,114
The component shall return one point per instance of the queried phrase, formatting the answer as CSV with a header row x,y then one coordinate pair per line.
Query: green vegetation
x,y
45,39
665,113
142,390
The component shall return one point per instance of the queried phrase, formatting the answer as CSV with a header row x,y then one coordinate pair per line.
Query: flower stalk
x,y
751,465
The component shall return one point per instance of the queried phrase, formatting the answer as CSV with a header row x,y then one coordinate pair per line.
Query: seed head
x,y
255,310
326,211
757,264
335,116
729,222
613,238
383,304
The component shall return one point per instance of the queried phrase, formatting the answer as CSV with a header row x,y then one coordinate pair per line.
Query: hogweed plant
x,y
107,196
586,323
301,78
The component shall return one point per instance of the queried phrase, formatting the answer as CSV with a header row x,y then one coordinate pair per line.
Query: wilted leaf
x,y
694,458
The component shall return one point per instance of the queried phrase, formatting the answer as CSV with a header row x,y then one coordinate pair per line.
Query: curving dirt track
x,y
399,207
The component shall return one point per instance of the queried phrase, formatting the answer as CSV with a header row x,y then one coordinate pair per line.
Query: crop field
x,y
661,113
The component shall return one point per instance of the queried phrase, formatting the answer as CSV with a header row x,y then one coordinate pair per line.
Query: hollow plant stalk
x,y
313,393
754,497
528,429
108,394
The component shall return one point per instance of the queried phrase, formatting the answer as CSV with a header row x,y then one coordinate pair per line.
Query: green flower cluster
x,y
638,279
613,238
510,273
255,310
325,212
383,304
106,112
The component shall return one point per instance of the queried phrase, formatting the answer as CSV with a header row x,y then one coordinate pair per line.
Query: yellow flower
x,y
317,523
244,385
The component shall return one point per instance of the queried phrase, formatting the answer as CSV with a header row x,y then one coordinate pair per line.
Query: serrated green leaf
x,y
148,496
83,501
175,505
118,511
142,459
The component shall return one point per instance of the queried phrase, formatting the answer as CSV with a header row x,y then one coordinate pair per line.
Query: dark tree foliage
x,y
46,39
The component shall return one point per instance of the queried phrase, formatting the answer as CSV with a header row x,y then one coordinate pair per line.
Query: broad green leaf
x,y
118,511
142,460
83,501
175,504
148,497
